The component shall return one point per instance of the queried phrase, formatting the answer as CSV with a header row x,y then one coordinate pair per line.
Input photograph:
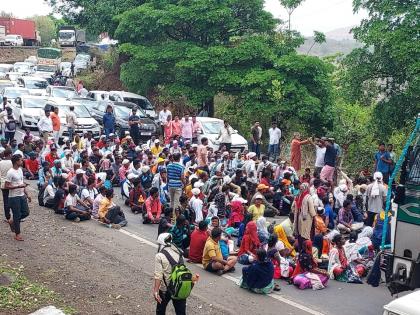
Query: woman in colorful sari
x,y
237,214
304,210
281,234
249,244
258,277
337,263
263,234
306,261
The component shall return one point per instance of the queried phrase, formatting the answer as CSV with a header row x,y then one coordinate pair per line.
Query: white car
x,y
85,122
13,40
61,92
406,305
98,95
210,127
36,86
13,92
27,110
141,101
6,67
14,76
24,67
45,71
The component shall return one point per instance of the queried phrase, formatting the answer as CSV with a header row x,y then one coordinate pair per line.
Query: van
x,y
141,101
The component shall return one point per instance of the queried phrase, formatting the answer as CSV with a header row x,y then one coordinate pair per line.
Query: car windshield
x,y
66,35
22,67
4,69
212,127
13,93
79,110
8,37
35,84
34,103
64,93
142,103
122,112
6,84
87,103
45,68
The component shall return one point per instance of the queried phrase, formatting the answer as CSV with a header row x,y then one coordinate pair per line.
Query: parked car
x,y
98,95
122,111
13,40
141,101
406,305
84,119
27,109
24,67
6,83
36,86
210,127
90,104
5,67
45,71
13,92
14,76
61,92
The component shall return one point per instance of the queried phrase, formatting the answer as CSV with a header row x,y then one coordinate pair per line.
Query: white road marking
x,y
233,279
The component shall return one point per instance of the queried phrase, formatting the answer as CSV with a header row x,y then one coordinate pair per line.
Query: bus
x,y
402,256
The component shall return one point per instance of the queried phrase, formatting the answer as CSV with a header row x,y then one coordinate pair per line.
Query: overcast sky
x,y
320,15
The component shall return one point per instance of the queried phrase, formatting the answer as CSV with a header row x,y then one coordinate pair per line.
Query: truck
x,y
401,248
49,59
24,28
70,36
2,35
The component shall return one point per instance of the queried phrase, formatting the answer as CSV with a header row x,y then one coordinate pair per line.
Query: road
x,y
103,262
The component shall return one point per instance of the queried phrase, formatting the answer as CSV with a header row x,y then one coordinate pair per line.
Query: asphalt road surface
x,y
91,265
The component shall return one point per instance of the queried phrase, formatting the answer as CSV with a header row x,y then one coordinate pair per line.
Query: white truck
x,y
69,36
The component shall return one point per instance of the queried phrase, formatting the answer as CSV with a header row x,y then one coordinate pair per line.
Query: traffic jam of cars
x,y
29,91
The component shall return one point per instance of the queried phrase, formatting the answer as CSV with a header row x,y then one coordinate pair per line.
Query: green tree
x,y
46,28
180,44
319,38
385,72
290,6
95,15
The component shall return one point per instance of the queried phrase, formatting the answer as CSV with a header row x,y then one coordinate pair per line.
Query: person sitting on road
x,y
75,209
181,234
49,192
153,207
165,222
89,193
97,201
345,218
109,213
258,277
31,166
257,208
249,244
136,197
337,263
212,255
60,195
127,185
198,240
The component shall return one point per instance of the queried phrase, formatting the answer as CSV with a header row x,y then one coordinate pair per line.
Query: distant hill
x,y
338,41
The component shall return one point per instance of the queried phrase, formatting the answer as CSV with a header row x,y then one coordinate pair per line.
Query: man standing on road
x,y
71,120
330,158
163,270
134,121
163,116
108,121
18,196
45,126
4,102
187,128
274,142
5,165
10,124
202,155
56,124
175,173
383,162
256,133
72,70
320,155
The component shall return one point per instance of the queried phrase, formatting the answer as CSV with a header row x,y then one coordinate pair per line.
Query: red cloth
x,y
265,181
32,165
237,214
153,207
250,242
50,159
299,199
100,144
198,241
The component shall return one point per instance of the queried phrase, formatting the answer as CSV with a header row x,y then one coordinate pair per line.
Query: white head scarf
x,y
366,232
164,240
378,180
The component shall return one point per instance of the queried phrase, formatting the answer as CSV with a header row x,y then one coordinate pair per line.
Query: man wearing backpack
x,y
173,281
10,125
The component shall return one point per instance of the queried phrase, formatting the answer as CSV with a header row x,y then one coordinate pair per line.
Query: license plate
x,y
146,133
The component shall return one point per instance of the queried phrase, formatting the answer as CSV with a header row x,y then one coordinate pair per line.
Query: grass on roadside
x,y
22,294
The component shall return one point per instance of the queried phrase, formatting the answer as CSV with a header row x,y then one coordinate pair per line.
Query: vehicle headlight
x,y
95,125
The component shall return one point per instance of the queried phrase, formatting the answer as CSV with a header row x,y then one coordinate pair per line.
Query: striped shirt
x,y
175,171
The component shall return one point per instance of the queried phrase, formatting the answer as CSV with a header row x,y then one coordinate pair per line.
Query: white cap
x,y
127,132
198,184
65,175
251,155
111,134
157,141
125,161
195,191
145,169
80,171
195,145
242,200
138,149
227,180
67,152
131,176
225,153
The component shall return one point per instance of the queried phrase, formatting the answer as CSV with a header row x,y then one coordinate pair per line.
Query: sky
x,y
319,15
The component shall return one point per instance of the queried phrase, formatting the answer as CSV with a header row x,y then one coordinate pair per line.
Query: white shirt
x,y
86,193
71,200
71,119
5,165
275,135
163,116
45,124
225,135
320,155
197,205
15,178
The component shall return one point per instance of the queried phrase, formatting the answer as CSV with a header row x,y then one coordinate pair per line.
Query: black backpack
x,y
11,124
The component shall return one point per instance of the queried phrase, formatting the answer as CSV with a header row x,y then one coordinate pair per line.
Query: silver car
x,y
13,92
27,110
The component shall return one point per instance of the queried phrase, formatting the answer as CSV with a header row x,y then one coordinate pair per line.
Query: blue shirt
x,y
175,171
108,121
381,166
330,214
